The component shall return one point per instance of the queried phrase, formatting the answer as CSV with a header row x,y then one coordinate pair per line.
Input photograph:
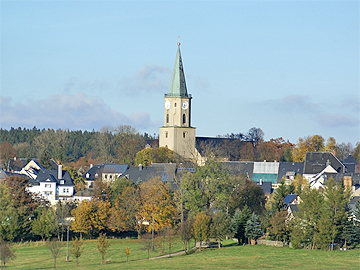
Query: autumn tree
x,y
7,152
201,228
156,204
6,253
308,144
82,214
185,231
156,155
77,248
102,245
247,193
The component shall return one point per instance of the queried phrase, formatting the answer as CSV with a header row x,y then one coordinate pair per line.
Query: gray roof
x,y
315,162
165,171
266,186
237,167
52,175
95,169
115,168
289,167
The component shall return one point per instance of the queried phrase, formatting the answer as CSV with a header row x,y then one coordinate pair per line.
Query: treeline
x,y
122,143
118,144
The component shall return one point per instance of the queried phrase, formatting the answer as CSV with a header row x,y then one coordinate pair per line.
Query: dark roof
x,y
286,168
315,162
165,171
290,198
350,160
237,167
293,208
52,175
95,169
114,168
266,186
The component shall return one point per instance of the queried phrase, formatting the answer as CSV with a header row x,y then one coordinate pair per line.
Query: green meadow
x,y
37,256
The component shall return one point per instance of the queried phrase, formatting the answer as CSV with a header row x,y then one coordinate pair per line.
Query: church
x,y
177,134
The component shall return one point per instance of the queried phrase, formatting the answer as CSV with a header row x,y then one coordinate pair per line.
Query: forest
x,y
121,144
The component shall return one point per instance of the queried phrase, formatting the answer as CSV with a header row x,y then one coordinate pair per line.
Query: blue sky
x,y
290,68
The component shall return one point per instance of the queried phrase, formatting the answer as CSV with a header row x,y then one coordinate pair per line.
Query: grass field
x,y
231,256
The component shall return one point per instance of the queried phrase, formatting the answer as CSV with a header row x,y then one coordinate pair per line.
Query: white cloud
x,y
149,78
73,111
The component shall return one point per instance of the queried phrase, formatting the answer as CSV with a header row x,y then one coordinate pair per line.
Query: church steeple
x,y
178,84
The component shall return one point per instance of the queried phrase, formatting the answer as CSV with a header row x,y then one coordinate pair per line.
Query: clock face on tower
x,y
185,105
167,104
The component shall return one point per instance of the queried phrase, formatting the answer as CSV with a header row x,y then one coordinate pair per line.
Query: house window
x,y
184,118
65,190
110,176
105,176
48,193
48,185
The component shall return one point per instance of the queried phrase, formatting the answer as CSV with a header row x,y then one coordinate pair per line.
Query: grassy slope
x,y
230,257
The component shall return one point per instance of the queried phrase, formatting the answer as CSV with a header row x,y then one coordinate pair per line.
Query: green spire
x,y
178,85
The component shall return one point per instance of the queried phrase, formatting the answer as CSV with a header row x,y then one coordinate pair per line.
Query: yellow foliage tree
x,y
308,144
156,204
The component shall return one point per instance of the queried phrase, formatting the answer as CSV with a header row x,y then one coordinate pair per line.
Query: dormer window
x,y
87,175
62,182
96,175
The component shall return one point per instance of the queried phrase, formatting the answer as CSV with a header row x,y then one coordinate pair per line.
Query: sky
x,y
290,68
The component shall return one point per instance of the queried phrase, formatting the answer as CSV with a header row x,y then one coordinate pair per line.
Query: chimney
x,y
91,165
59,172
140,167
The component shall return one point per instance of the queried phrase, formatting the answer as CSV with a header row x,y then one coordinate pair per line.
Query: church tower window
x,y
167,118
184,118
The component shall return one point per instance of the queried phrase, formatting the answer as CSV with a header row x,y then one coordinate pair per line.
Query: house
x,y
288,170
53,185
319,166
139,174
266,171
292,201
107,172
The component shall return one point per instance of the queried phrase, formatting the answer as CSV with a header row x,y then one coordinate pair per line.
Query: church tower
x,y
177,133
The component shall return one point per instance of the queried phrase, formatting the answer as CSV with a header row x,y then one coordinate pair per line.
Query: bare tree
x,y
77,249
54,246
6,253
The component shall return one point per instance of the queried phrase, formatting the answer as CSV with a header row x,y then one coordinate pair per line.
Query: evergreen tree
x,y
239,222
253,228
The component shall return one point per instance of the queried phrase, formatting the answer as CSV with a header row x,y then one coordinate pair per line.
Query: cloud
x,y
149,78
335,115
333,120
73,111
